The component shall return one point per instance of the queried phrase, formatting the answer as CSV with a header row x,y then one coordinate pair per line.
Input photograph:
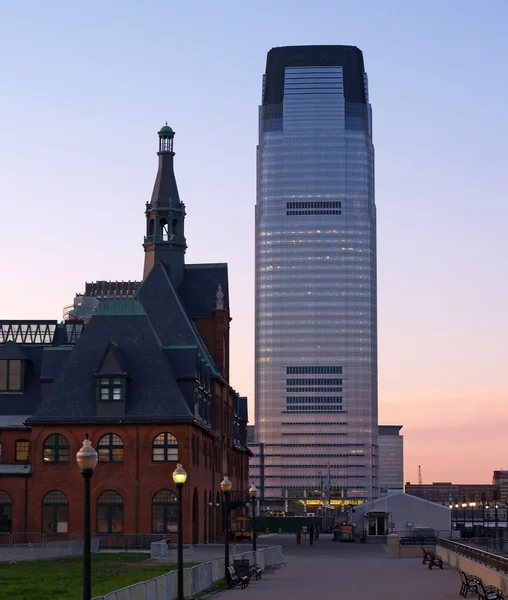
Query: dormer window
x,y
111,389
11,375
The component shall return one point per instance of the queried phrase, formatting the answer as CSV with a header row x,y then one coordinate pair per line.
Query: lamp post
x,y
179,478
464,506
87,461
226,486
456,506
253,492
496,506
472,505
210,523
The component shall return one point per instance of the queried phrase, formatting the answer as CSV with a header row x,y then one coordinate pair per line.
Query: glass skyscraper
x,y
316,320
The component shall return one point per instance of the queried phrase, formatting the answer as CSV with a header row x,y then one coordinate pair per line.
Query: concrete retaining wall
x,y
487,574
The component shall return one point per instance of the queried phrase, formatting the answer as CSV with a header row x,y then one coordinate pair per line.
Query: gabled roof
x,y
12,351
198,289
382,502
168,315
113,361
152,394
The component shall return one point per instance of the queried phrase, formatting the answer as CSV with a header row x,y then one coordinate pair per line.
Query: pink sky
x,y
87,85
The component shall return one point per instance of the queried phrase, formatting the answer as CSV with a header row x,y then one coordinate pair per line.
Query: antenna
x,y
420,475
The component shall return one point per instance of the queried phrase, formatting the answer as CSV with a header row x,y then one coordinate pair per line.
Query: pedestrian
x,y
304,528
299,537
316,532
311,535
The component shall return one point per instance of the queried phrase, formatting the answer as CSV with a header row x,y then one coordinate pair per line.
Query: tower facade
x,y
316,314
165,215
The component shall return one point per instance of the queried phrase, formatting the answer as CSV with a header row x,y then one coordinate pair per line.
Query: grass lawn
x,y
61,578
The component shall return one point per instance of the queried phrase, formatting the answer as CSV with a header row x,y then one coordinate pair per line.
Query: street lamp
x,y
179,478
496,506
472,506
86,458
210,523
225,486
464,506
253,492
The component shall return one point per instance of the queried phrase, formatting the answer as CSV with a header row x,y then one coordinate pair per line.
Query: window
x,y
111,389
56,449
164,512
55,512
5,512
165,448
110,512
10,376
22,450
110,448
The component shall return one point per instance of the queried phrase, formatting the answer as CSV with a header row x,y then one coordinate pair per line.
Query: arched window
x,y
110,512
5,512
110,448
164,512
151,226
165,448
55,512
56,449
164,230
22,449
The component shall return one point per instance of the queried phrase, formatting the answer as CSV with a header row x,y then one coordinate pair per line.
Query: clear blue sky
x,y
84,86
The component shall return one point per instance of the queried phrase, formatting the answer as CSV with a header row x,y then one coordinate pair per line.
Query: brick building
x,y
147,377
446,492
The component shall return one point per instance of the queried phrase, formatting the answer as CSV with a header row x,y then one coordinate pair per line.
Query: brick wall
x,y
136,479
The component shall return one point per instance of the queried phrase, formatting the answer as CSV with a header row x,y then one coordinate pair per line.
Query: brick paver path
x,y
338,571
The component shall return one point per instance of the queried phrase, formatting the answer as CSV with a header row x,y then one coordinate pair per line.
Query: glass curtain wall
x,y
316,324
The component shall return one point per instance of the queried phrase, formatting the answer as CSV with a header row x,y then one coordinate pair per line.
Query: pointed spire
x,y
165,214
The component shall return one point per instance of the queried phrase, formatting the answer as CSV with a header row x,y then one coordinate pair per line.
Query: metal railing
x,y
418,541
35,538
495,561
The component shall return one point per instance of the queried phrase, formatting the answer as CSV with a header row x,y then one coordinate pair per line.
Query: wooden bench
x,y
255,571
435,561
237,579
469,583
488,592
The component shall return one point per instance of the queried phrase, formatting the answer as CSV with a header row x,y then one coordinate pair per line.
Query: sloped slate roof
x,y
153,393
12,351
198,289
168,315
53,358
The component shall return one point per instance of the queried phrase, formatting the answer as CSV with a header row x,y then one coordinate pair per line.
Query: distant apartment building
x,y
391,458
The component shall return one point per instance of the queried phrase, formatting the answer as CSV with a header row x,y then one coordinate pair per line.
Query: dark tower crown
x,y
165,215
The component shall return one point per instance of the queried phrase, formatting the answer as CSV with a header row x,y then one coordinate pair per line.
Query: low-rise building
x,y
400,513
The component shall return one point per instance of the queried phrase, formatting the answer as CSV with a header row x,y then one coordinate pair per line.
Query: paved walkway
x,y
334,571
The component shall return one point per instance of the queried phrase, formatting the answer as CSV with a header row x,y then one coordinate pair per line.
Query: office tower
x,y
391,458
316,324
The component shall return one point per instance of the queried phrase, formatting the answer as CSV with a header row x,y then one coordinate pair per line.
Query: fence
x,y
195,579
44,550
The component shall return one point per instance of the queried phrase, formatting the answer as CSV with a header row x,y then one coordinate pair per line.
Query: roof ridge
x,y
190,322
